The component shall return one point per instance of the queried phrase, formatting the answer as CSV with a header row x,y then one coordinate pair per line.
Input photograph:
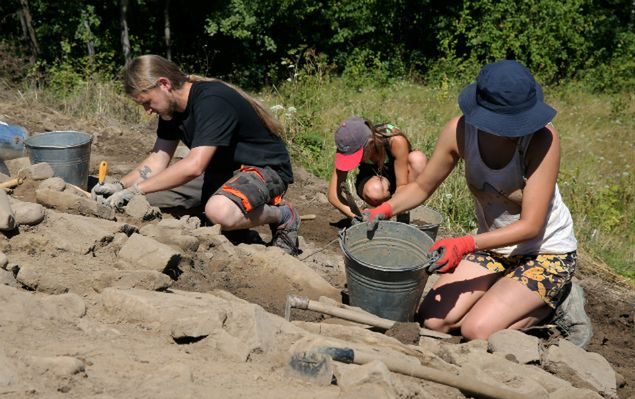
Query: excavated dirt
x,y
611,300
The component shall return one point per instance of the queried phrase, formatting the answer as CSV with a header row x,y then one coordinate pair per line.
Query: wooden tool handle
x,y
365,318
12,183
465,383
103,168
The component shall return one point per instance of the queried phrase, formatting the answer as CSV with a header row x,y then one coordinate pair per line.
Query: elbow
x,y
532,231
195,169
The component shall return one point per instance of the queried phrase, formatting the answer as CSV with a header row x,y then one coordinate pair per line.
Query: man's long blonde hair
x,y
142,73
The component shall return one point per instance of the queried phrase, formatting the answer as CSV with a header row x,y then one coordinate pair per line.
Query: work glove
x,y
105,190
121,198
373,215
450,252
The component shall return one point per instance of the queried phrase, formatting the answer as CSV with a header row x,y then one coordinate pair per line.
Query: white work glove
x,y
101,191
121,198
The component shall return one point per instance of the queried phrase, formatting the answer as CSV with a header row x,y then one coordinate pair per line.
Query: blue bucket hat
x,y
505,101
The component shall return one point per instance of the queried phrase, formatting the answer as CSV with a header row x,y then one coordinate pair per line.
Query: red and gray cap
x,y
350,139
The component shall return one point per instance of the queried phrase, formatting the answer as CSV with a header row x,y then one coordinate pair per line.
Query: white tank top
x,y
498,199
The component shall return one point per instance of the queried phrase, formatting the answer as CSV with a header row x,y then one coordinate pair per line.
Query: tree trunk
x,y
27,23
125,39
168,44
90,44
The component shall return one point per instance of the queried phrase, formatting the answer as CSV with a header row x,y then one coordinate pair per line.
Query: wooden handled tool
x,y
465,383
12,183
103,168
349,314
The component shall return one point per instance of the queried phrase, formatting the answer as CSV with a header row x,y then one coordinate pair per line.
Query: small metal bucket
x,y
68,153
427,220
385,271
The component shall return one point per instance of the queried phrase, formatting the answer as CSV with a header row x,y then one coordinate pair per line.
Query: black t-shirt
x,y
216,115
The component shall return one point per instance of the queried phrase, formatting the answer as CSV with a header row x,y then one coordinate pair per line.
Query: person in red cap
x,y
384,157
517,269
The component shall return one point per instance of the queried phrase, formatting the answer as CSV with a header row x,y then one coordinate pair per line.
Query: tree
x,y
125,39
27,24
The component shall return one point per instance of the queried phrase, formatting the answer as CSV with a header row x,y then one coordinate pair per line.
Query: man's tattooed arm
x,y
145,172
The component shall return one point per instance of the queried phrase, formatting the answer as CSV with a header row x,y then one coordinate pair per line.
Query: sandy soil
x,y
611,300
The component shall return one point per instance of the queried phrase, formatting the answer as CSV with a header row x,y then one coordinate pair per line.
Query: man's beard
x,y
169,113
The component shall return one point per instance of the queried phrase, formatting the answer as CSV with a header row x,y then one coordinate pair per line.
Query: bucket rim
x,y
416,267
88,138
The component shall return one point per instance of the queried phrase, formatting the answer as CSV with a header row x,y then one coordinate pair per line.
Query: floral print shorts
x,y
546,275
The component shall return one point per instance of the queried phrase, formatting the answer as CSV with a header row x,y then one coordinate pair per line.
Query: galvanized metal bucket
x,y
68,153
385,270
427,220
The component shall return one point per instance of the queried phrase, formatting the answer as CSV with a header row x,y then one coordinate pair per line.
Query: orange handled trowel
x,y
103,168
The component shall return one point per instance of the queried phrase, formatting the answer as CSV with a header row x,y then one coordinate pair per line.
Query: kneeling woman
x,y
514,272
385,159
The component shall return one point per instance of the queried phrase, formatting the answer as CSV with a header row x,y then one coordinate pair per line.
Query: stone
x,y
184,223
583,369
65,306
36,278
523,347
27,213
7,217
146,253
14,165
220,242
4,261
143,279
140,208
71,203
372,372
207,231
171,237
38,171
79,234
54,183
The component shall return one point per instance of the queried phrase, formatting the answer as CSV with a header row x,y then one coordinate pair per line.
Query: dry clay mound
x,y
98,304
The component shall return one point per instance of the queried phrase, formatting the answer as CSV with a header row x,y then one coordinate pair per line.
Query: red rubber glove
x,y
451,251
374,215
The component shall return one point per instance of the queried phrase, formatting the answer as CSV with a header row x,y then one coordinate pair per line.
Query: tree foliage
x,y
246,40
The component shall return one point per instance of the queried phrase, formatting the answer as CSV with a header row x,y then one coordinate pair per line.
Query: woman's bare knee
x,y
441,325
476,329
416,163
376,190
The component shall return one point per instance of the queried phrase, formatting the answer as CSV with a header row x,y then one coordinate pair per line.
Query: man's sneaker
x,y
571,318
285,235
